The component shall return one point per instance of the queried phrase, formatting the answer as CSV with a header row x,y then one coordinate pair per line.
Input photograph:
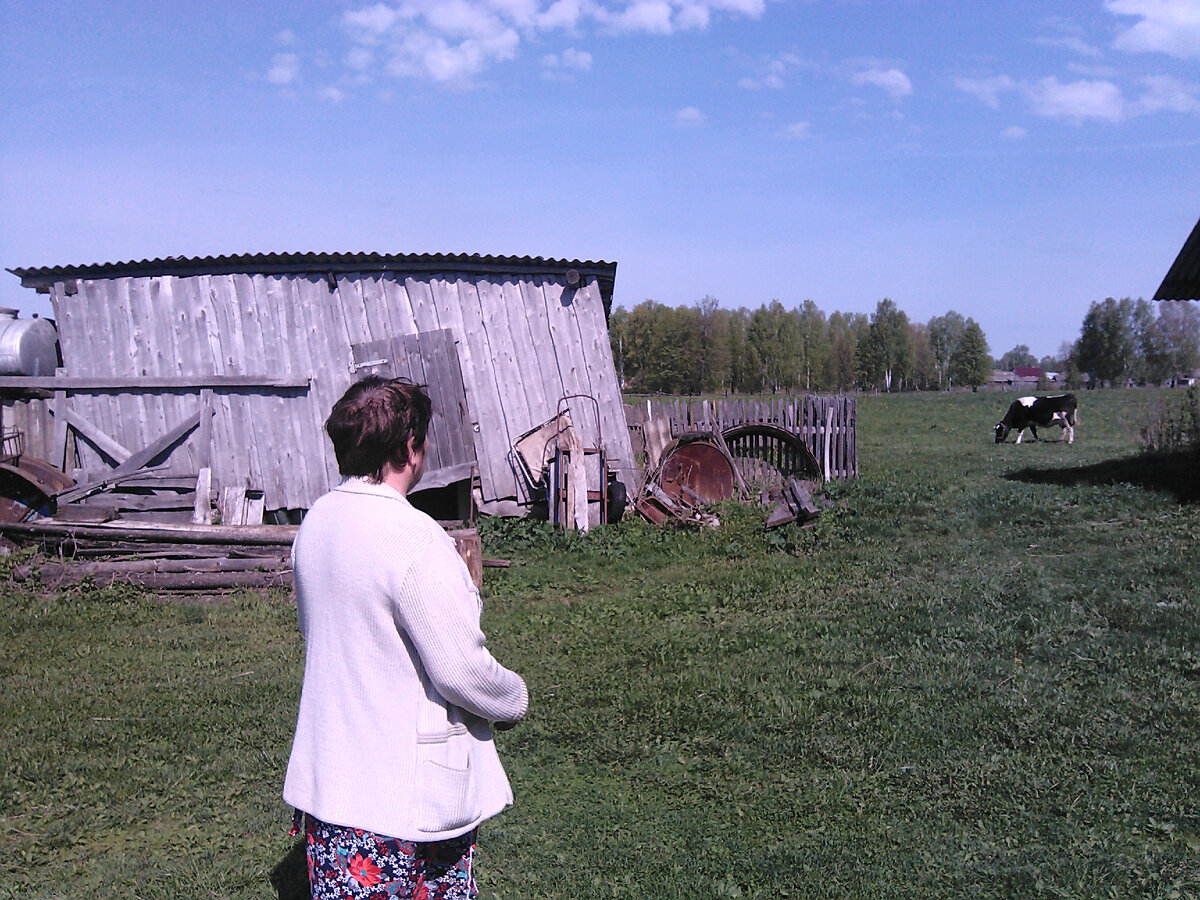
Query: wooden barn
x,y
231,364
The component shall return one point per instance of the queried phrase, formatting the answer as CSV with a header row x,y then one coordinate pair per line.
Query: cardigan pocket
x,y
445,793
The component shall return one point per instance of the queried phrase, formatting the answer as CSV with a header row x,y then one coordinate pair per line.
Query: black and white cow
x,y
1030,412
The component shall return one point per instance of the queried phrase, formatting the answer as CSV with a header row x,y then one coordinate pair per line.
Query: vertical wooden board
x,y
394,297
232,466
266,405
605,386
458,303
175,352
369,295
349,298
540,404
493,441
508,366
439,357
143,337
563,338
424,296
564,335
211,351
284,334
330,379
450,314
128,425
423,352
541,344
304,346
90,352
199,350
334,328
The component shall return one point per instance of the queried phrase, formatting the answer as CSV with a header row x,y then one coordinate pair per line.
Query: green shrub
x,y
1174,426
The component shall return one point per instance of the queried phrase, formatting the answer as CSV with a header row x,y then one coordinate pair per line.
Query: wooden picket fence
x,y
824,423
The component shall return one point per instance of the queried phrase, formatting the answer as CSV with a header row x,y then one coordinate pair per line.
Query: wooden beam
x,y
274,535
114,449
149,382
168,440
131,465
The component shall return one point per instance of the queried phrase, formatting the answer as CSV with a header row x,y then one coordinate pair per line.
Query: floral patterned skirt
x,y
345,863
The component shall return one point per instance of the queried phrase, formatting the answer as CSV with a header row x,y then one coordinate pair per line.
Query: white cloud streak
x,y
892,81
285,69
453,42
689,117
1077,101
986,90
1167,26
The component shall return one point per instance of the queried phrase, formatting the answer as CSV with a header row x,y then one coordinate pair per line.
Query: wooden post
x,y
202,514
470,548
58,455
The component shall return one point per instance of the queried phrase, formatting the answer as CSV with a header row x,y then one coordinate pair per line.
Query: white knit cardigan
x,y
393,732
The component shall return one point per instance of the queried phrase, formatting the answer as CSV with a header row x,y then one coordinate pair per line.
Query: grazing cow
x,y
1030,412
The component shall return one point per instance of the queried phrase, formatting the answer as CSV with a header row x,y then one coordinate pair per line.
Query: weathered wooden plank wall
x,y
818,420
524,342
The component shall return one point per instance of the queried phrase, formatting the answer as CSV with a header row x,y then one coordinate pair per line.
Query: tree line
x,y
703,348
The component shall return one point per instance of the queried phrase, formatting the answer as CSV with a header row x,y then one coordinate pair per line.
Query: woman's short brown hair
x,y
375,422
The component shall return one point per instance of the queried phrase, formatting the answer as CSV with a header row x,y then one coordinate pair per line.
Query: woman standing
x,y
393,761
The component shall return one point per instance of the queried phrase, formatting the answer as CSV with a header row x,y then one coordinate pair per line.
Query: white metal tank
x,y
27,346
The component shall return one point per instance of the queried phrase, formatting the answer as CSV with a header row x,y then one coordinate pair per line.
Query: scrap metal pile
x,y
752,462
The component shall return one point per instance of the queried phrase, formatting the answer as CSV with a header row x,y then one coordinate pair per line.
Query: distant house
x,y
1005,380
231,364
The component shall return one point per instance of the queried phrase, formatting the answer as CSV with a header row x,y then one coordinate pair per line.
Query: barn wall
x,y
524,342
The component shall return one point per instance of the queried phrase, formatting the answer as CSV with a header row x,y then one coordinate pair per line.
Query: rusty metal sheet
x,y
697,471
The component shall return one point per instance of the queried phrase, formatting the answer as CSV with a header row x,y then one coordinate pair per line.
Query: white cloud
x,y
1014,133
798,131
286,38
455,41
892,81
1167,26
986,90
772,78
1166,94
332,94
1072,43
359,59
579,60
285,69
369,24
689,117
653,16
1078,100
562,68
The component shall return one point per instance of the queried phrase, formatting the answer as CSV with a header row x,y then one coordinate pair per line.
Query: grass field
x,y
978,676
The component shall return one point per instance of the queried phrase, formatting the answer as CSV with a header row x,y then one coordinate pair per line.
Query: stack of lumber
x,y
158,556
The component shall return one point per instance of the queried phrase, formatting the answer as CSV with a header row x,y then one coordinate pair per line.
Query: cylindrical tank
x,y
27,346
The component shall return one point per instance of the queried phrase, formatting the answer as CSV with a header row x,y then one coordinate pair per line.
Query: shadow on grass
x,y
1177,474
290,876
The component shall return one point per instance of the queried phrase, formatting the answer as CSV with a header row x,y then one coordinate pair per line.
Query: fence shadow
x,y
290,875
1176,474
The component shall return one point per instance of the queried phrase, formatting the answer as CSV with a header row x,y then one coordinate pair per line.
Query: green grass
x,y
979,675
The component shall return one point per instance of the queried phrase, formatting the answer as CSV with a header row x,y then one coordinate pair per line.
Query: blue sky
x,y
1012,161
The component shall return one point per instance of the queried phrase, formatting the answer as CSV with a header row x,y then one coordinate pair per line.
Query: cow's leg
x,y
1020,434
1033,428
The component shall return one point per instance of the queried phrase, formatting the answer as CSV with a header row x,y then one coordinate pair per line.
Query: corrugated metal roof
x,y
314,262
1183,278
